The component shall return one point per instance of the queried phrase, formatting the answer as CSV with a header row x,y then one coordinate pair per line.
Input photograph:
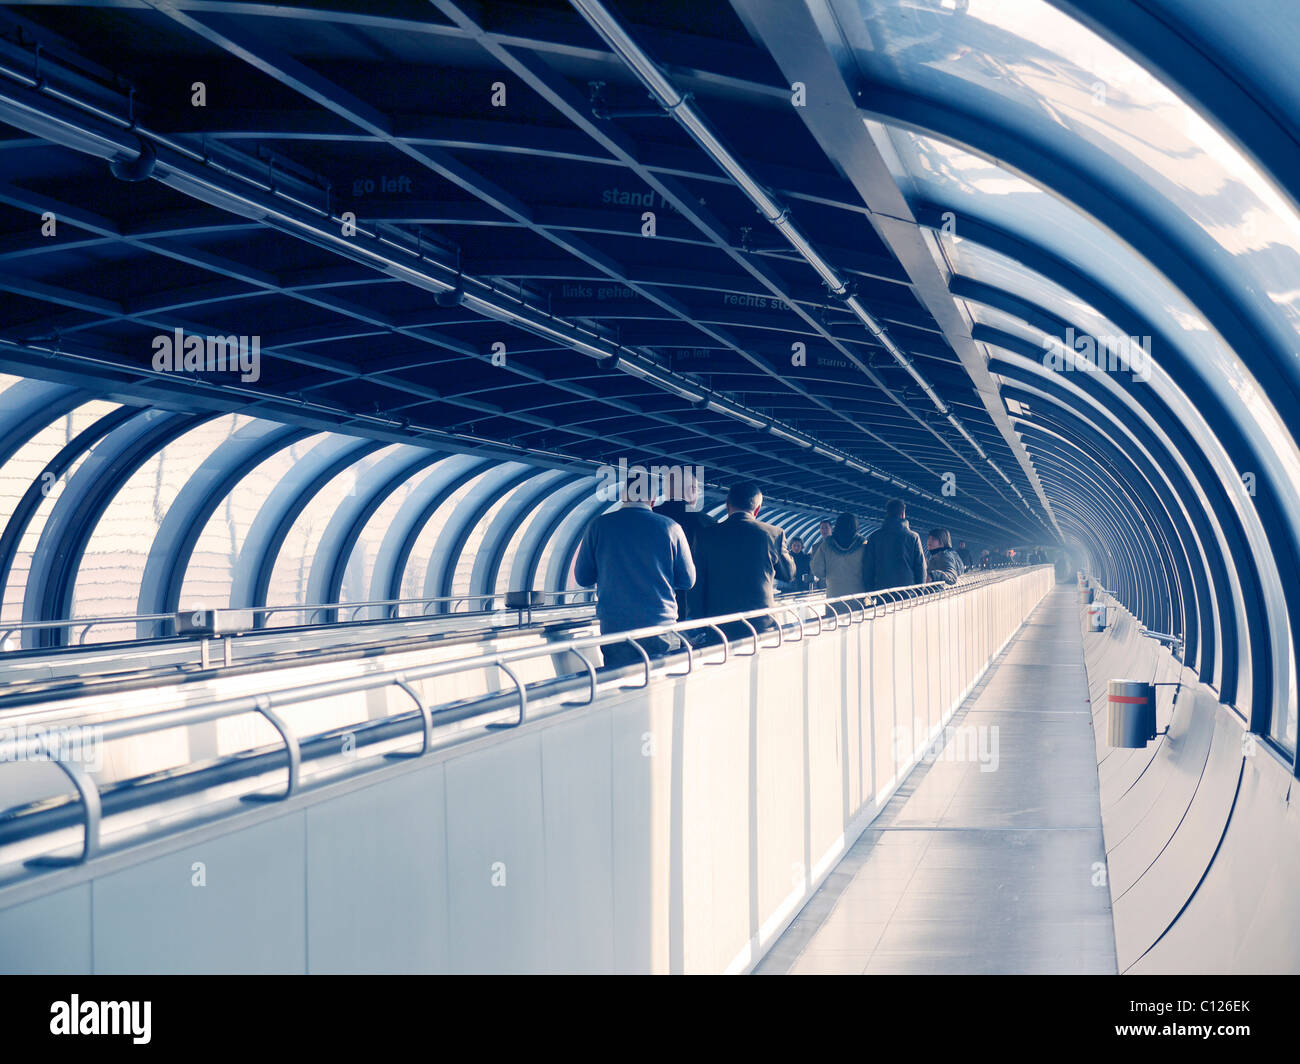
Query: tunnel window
x,y
211,571
20,472
416,573
575,524
1063,86
506,574
293,566
1283,726
460,584
359,577
108,581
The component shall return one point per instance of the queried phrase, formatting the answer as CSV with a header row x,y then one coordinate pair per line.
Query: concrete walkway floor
x,y
990,858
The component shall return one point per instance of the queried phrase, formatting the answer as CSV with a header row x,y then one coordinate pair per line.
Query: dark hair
x,y
941,536
846,528
896,508
745,496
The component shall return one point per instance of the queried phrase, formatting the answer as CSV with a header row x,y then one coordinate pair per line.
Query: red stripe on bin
x,y
1127,698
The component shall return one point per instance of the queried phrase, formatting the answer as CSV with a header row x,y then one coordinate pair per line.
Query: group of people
x,y
1001,558
654,565
846,564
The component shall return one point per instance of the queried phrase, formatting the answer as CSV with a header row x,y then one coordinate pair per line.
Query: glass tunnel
x,y
326,327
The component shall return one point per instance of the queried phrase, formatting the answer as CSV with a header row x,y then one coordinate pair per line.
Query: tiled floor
x,y
981,868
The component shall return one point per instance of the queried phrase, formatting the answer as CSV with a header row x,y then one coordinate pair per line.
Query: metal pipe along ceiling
x,y
679,106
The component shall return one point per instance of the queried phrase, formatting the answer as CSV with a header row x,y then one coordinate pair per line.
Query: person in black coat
x,y
942,563
893,557
803,575
686,512
738,561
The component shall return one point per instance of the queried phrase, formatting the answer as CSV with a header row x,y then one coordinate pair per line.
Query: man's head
x,y
744,497
937,538
682,484
962,544
796,546
896,508
826,528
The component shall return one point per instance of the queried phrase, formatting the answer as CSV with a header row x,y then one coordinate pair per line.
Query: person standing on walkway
x,y
739,561
683,506
893,556
803,574
942,563
838,559
636,559
964,554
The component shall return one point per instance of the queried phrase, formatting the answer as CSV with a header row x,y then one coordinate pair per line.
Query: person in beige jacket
x,y
838,559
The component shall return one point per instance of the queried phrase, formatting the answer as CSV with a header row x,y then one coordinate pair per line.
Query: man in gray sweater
x,y
636,559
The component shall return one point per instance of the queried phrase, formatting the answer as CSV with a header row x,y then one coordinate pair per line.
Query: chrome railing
x,y
762,624
310,611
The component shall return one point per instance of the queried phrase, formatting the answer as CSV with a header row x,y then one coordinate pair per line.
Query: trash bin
x,y
1131,713
1096,618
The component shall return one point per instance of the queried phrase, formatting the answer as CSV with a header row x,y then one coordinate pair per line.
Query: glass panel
x,y
210,575
292,572
16,477
108,582
505,574
460,583
955,180
417,566
1025,63
358,580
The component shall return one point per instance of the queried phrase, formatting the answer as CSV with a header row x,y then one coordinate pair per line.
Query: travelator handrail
x,y
18,627
249,763
309,609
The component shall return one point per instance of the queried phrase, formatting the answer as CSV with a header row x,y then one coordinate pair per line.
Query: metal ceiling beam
x,y
310,84
196,177
560,95
797,43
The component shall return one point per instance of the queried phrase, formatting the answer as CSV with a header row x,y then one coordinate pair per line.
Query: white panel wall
x,y
674,828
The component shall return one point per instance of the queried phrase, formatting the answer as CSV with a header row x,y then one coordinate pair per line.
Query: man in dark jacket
x,y
964,554
683,507
738,561
803,576
893,557
942,563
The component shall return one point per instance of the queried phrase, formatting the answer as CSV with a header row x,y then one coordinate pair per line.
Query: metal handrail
x,y
309,609
265,704
265,612
88,622
218,708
